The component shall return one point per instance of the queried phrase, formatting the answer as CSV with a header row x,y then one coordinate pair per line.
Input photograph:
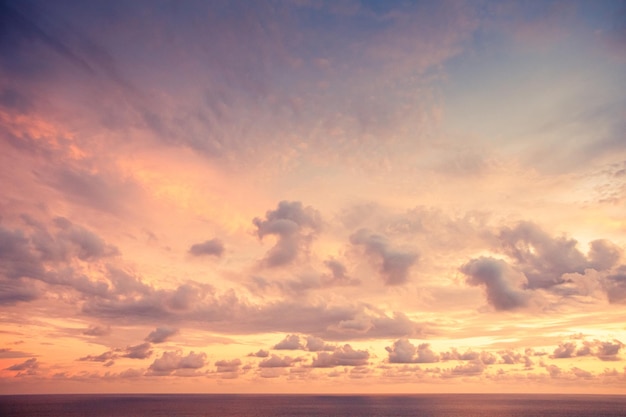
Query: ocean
x,y
426,405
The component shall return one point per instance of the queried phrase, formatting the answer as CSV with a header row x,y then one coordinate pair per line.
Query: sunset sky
x,y
312,196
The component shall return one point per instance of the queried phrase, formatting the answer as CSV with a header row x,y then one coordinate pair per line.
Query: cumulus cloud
x,y
499,280
228,312
213,247
276,361
607,350
603,254
294,226
615,285
224,366
544,259
394,265
161,334
564,350
317,344
290,342
260,354
403,351
174,361
141,351
338,274
471,368
86,245
53,257
342,356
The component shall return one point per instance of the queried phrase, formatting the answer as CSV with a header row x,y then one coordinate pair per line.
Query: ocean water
x,y
444,405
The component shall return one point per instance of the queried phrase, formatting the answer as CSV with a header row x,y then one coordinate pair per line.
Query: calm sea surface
x,y
312,405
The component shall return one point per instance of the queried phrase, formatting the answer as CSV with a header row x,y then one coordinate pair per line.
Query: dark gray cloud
x,y
342,356
294,226
213,247
499,281
403,351
394,264
161,334
174,361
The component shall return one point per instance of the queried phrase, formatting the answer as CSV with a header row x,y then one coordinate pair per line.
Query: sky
x,y
312,196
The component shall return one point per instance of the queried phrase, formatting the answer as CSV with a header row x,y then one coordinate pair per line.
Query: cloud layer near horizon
x,y
320,196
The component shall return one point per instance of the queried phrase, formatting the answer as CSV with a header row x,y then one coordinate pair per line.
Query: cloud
x,y
260,354
342,356
170,362
608,351
316,344
96,330
403,351
161,334
615,285
101,191
16,291
276,361
471,368
290,342
499,281
104,357
229,313
603,350
213,247
565,350
603,254
29,365
52,257
394,264
86,245
17,259
6,353
228,366
544,260
294,226
141,351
